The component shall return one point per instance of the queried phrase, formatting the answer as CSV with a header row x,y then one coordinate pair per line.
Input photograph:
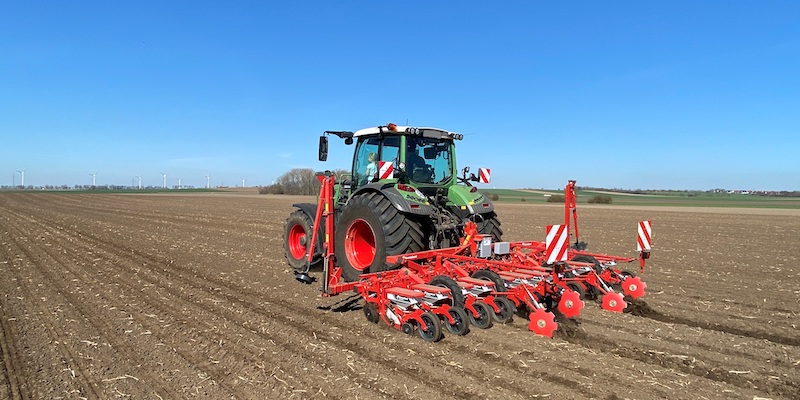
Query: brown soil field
x,y
189,296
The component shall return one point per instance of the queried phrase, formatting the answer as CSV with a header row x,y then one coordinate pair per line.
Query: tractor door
x,y
365,161
369,153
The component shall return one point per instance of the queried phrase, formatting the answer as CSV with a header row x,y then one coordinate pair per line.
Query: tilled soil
x,y
181,296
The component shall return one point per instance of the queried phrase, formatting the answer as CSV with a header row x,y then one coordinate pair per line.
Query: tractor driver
x,y
372,167
416,167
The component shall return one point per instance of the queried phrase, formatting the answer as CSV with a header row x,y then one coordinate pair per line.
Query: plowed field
x,y
182,296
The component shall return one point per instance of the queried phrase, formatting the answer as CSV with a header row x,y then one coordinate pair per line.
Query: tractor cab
x,y
421,156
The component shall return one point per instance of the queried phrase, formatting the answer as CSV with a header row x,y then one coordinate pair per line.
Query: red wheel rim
x,y
359,244
297,236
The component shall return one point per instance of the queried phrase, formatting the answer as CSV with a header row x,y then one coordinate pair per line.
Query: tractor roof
x,y
392,129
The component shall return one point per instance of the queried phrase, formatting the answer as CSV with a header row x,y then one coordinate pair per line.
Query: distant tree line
x,y
298,181
693,193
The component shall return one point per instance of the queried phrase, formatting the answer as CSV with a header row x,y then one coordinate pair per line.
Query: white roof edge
x,y
400,129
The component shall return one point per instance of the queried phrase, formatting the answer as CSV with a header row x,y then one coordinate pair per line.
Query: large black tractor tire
x,y
490,225
368,230
297,240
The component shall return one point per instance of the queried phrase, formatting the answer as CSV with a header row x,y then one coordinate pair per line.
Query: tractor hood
x,y
464,198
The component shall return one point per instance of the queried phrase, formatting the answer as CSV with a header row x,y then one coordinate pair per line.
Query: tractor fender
x,y
394,196
311,210
468,201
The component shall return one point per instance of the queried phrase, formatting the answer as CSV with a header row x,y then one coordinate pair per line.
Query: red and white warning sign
x,y
645,236
556,243
484,175
385,170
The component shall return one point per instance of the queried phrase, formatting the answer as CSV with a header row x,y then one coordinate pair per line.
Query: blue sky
x,y
672,95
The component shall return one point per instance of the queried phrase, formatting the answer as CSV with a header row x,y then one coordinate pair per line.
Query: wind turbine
x,y
164,174
94,177
243,180
179,183
23,177
140,181
208,181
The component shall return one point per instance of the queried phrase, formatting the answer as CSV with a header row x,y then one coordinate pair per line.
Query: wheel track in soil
x,y
648,355
87,314
12,368
651,355
69,358
789,390
301,326
641,309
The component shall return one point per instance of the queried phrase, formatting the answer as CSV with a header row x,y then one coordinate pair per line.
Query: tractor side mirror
x,y
323,148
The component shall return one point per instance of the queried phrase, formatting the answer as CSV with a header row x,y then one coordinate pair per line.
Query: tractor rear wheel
x,y
297,240
490,225
369,229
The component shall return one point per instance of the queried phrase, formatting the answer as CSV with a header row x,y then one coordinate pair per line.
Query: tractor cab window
x,y
428,160
390,149
369,155
365,163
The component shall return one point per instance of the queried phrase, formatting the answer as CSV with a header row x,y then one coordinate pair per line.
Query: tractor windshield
x,y
428,160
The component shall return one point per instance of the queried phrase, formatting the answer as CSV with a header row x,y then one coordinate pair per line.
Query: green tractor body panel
x,y
473,201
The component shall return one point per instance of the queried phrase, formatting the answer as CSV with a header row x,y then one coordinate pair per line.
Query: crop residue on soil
x,y
180,296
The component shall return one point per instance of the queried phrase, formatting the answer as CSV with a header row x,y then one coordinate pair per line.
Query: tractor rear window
x,y
428,160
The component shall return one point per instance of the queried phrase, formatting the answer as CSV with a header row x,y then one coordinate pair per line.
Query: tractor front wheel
x,y
297,240
369,229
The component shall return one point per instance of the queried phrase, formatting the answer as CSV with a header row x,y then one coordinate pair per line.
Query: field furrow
x,y
179,296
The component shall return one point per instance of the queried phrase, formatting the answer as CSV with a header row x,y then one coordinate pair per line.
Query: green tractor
x,y
403,195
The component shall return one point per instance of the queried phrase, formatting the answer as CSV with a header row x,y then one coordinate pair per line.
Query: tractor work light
x,y
455,136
